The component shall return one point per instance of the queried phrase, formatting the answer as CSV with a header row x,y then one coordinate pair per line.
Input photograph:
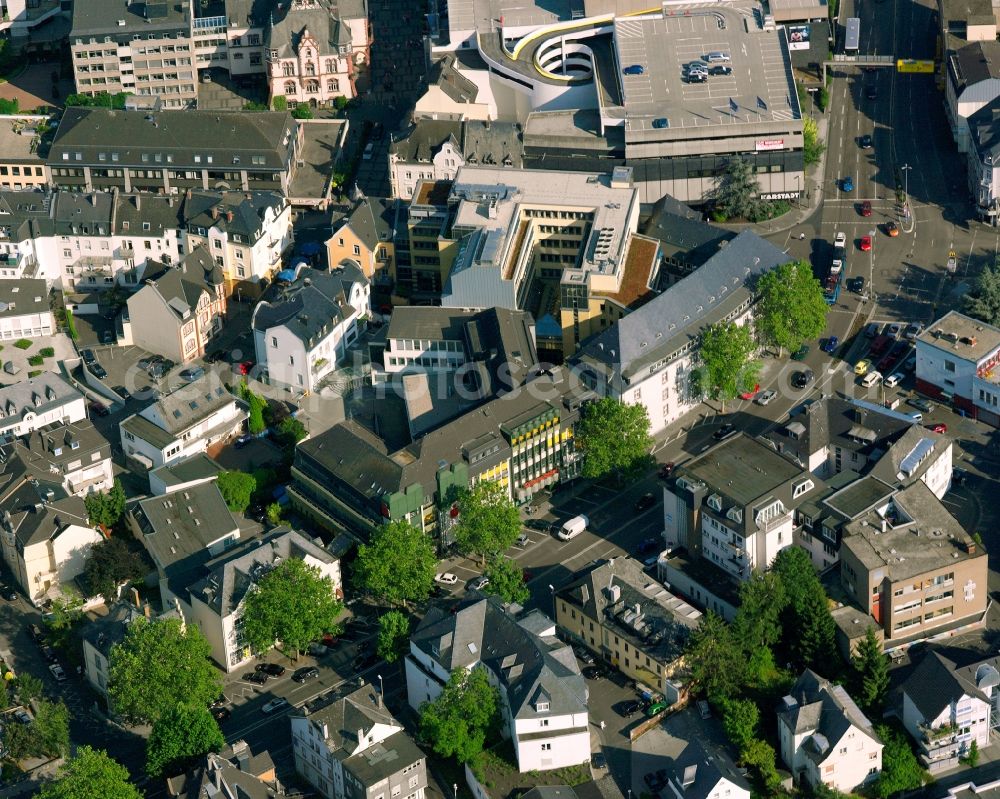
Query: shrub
x,y
9,106
23,344
36,360
279,103
47,352
70,325
302,112
34,373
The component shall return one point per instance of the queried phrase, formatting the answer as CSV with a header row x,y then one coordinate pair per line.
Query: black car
x,y
856,284
88,356
649,545
365,661
865,141
99,409
256,677
726,430
305,673
145,363
97,370
872,93
697,77
49,654
720,70
803,378
598,760
215,357
220,714
122,392
36,634
920,404
593,673
538,525
631,707
271,669
645,502
583,656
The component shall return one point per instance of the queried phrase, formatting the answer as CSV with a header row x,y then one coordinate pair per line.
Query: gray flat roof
x,y
965,337
743,467
759,90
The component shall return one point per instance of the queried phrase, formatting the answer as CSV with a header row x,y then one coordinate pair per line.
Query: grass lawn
x,y
23,344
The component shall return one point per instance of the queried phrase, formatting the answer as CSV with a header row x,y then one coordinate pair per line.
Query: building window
x,y
546,747
949,366
289,88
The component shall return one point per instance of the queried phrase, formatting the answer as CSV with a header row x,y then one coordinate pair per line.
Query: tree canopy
x,y
181,736
614,438
736,195
294,604
156,666
457,723
790,306
715,661
983,300
812,146
728,367
110,563
90,773
236,488
106,507
806,611
290,431
506,580
871,669
488,522
398,565
393,635
900,769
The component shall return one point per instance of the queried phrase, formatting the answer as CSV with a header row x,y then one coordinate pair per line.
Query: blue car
x,y
634,69
660,122
830,345
847,184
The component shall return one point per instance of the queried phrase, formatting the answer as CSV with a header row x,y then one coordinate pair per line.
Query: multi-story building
x,y
302,336
947,707
706,773
180,309
912,567
825,738
45,534
735,505
435,149
647,356
184,422
172,151
189,472
313,51
142,48
347,479
39,401
367,237
247,234
214,601
20,18
24,309
542,693
74,456
351,747
958,363
234,771
628,620
21,167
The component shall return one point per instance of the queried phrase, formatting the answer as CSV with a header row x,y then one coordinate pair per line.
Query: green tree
x,y
759,756
457,722
790,306
614,438
22,741
758,620
740,720
341,102
280,103
716,663
156,666
871,668
290,431
256,405
236,488
398,565
91,773
302,112
52,725
815,633
728,366
182,735
393,635
28,687
488,522
110,563
822,98
983,300
97,100
294,604
971,758
273,513
254,106
70,325
812,147
900,769
506,580
736,195
106,507
8,107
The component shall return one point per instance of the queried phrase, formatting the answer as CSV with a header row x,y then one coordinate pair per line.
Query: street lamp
x,y
905,169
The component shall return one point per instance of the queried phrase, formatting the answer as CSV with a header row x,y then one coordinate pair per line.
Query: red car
x,y
866,208
750,394
245,367
866,243
938,428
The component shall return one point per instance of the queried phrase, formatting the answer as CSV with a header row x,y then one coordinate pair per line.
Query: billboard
x,y
798,37
769,144
911,65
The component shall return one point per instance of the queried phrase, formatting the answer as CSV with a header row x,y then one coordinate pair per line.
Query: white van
x,y
572,528
871,379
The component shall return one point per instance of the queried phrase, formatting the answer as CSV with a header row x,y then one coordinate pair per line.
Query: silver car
x,y
765,397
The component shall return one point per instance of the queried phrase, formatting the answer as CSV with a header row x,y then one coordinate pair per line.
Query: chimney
x,y
187,194
138,202
93,199
135,597
215,212
229,216
145,610
247,196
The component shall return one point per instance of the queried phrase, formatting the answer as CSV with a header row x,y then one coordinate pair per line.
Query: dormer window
x,y
74,445
541,707
802,487
714,501
57,451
